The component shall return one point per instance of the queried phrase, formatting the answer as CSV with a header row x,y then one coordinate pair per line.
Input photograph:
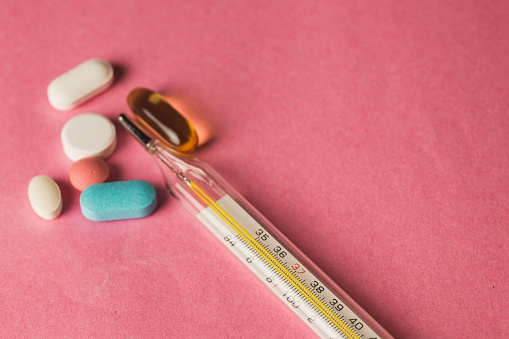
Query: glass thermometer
x,y
305,289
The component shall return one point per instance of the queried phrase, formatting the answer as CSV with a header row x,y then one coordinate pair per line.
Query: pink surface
x,y
373,134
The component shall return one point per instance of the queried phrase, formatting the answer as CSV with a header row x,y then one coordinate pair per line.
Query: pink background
x,y
374,134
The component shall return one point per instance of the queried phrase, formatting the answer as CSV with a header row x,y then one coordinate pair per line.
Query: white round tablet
x,y
88,135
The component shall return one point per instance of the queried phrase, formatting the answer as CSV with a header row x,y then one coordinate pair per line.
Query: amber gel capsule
x,y
158,117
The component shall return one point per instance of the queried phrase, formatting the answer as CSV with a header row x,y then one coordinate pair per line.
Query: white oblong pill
x,y
88,135
80,84
45,197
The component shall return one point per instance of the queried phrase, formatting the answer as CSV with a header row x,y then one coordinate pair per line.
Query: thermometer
x,y
305,289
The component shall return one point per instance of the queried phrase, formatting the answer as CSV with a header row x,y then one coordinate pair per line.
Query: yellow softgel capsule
x,y
159,118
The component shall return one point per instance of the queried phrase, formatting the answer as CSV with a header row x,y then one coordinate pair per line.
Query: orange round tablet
x,y
88,171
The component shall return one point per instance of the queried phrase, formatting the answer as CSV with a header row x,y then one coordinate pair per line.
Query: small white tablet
x,y
80,84
45,197
88,135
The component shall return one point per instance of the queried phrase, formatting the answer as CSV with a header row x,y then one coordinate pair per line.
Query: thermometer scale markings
x,y
334,306
296,284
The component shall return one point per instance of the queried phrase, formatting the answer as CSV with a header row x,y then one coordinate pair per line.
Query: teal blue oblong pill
x,y
118,200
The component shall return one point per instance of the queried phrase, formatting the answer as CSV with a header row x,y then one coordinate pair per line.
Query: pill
x,y
88,135
162,120
80,84
45,197
88,171
118,200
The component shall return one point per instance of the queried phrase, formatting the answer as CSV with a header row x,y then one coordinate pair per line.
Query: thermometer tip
x,y
135,131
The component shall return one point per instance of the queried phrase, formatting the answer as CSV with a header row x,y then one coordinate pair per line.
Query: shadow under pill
x,y
120,133
119,73
163,196
67,192
115,172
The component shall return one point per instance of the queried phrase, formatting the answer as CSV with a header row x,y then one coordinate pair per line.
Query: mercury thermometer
x,y
303,287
